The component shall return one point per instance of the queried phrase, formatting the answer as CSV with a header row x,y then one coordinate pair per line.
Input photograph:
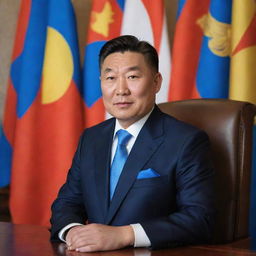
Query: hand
x,y
98,237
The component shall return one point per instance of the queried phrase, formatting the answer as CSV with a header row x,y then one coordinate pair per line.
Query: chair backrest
x,y
229,126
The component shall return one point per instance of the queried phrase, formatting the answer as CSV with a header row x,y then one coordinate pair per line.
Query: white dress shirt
x,y
141,238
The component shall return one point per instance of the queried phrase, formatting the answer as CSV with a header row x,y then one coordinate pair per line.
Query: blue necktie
x,y
119,159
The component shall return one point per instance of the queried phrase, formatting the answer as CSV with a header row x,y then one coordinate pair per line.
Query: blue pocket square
x,y
148,173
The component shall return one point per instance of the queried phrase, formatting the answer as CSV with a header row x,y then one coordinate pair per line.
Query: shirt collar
x,y
135,128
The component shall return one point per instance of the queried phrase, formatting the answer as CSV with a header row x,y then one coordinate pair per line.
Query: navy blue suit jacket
x,y
174,208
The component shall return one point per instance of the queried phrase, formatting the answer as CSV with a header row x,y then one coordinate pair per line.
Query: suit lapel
x,y
148,140
102,165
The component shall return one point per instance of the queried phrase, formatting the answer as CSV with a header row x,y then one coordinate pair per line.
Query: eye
x,y
132,77
110,78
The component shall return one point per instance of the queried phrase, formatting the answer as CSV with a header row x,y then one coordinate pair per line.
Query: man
x,y
142,178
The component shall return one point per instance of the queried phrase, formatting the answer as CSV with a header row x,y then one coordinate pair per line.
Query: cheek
x,y
147,93
106,91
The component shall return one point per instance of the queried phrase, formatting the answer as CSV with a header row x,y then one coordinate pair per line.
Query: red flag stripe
x,y
186,51
156,15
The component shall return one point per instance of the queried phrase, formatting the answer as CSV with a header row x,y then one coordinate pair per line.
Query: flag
x,y
110,19
5,159
214,56
201,53
43,113
150,26
242,73
186,49
105,24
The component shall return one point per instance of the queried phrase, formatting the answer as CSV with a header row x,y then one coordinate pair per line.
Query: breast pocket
x,y
153,182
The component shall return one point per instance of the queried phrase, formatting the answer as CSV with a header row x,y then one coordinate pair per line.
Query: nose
x,y
122,87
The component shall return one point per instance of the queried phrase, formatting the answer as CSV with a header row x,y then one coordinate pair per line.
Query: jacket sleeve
x,y
193,220
68,207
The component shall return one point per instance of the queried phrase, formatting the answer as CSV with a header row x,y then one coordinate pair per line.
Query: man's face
x,y
129,86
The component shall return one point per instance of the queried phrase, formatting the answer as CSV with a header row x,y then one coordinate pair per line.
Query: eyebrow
x,y
133,68
107,70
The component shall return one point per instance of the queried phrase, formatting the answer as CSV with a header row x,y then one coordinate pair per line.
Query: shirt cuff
x,y
141,238
63,230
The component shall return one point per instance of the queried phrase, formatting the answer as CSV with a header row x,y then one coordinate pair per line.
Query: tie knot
x,y
123,137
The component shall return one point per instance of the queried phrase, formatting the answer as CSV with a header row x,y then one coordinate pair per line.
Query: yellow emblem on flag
x,y
219,34
58,67
101,20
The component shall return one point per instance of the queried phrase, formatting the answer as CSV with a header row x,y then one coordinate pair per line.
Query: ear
x,y
158,82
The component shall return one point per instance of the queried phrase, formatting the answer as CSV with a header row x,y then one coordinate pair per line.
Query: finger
x,y
81,241
74,237
68,242
88,248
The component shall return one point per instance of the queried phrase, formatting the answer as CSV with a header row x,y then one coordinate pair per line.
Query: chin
x,y
123,117
122,114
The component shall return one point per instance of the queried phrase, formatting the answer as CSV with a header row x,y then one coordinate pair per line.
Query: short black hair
x,y
130,43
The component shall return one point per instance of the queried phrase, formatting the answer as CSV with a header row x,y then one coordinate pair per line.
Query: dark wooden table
x,y
29,240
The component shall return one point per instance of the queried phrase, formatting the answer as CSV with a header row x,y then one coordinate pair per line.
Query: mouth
x,y
123,104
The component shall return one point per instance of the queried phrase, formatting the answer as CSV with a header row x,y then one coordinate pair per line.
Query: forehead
x,y
124,60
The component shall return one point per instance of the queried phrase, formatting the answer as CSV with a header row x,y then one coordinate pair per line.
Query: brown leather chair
x,y
229,126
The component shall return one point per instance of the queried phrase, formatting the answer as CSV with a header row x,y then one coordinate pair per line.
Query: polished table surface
x,y
29,240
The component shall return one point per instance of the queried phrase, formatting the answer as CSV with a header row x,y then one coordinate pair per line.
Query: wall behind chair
x,y
9,10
